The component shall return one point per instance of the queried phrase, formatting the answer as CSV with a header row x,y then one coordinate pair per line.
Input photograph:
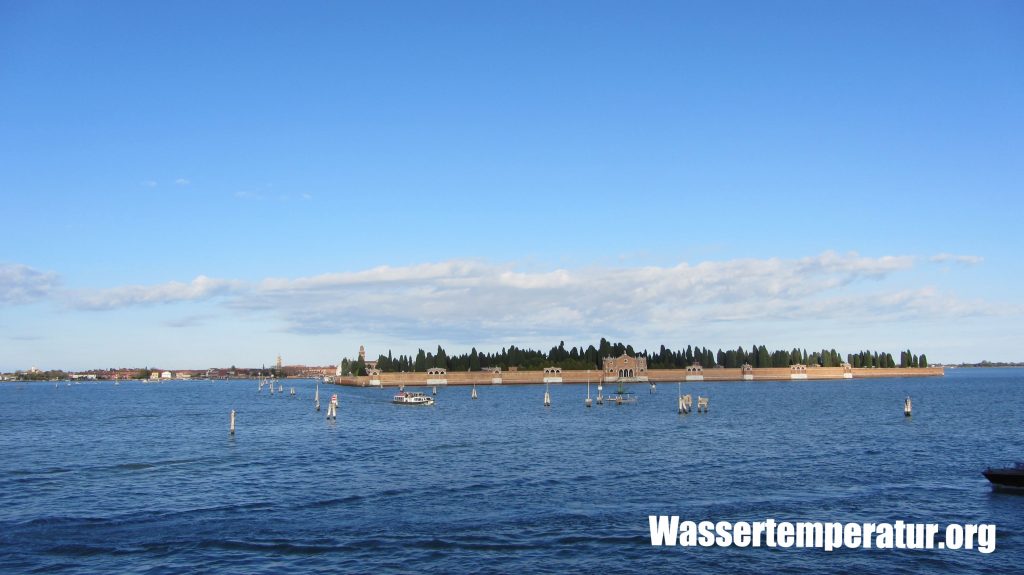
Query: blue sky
x,y
195,184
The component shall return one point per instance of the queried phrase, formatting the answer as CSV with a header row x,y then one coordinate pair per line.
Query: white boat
x,y
412,398
621,396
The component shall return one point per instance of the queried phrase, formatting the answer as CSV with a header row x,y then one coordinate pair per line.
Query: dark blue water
x,y
143,478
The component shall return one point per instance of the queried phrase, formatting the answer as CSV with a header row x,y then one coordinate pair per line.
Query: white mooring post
x,y
600,400
332,407
473,395
547,396
232,432
907,407
587,402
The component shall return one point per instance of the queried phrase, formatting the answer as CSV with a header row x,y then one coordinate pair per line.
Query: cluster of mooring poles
x,y
332,406
685,401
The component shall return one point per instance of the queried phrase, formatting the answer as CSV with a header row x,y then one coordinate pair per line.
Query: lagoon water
x,y
143,478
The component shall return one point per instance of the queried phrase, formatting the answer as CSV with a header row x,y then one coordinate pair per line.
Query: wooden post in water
x,y
907,407
600,400
547,396
433,390
473,395
587,402
232,432
702,403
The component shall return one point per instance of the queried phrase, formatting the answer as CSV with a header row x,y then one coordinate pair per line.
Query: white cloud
x,y
201,288
149,183
21,284
474,300
956,259
182,181
187,321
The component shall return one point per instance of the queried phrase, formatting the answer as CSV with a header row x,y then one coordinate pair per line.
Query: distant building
x,y
308,370
166,375
362,357
624,366
278,361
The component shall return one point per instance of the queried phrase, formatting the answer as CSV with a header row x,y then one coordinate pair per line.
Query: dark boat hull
x,y
1012,479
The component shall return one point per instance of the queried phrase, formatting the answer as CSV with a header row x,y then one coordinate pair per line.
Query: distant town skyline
x,y
192,185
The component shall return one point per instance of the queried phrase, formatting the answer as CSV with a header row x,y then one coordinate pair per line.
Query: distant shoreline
x,y
696,374
984,365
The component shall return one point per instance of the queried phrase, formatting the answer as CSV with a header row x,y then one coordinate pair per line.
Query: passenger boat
x,y
1010,478
412,398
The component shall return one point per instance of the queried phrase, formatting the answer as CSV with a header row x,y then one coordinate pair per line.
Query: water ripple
x,y
495,485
